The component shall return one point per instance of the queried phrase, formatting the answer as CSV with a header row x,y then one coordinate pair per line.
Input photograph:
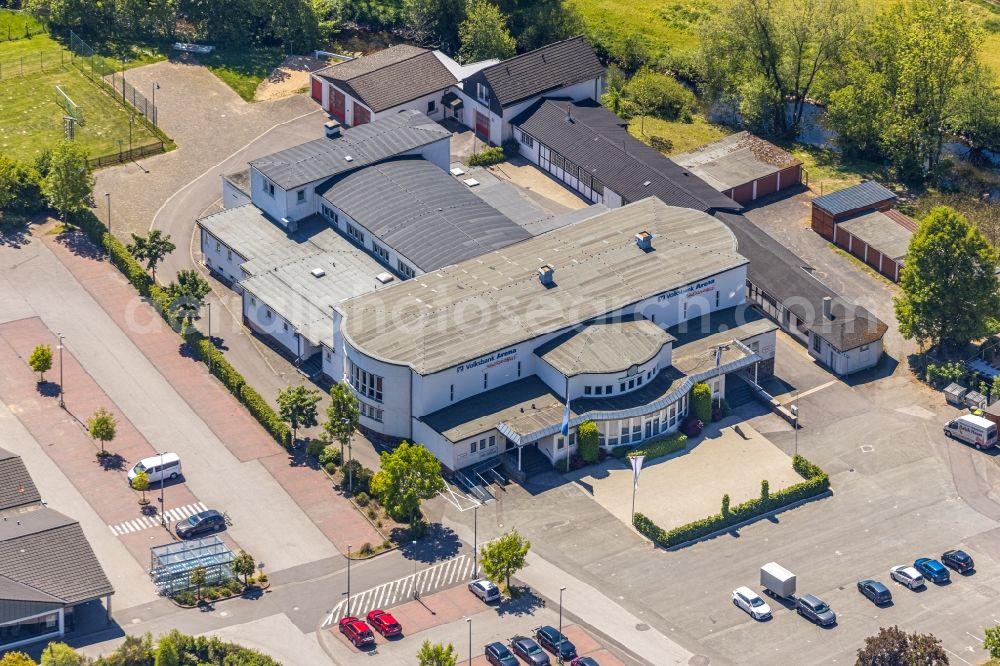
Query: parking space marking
x,y
147,522
433,579
816,389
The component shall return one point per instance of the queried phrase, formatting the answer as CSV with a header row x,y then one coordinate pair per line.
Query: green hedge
x,y
658,448
488,156
202,348
816,483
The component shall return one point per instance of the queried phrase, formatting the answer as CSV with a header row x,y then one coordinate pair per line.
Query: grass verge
x,y
15,26
242,70
861,265
683,136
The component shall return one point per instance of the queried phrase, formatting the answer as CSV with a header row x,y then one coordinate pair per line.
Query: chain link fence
x,y
36,62
102,70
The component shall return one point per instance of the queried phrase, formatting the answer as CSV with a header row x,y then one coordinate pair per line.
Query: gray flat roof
x,y
603,347
422,212
17,488
880,232
855,197
364,144
438,320
735,160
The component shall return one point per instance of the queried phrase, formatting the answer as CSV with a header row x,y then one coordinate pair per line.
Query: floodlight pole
x,y
561,639
475,542
348,579
107,197
468,621
163,517
62,401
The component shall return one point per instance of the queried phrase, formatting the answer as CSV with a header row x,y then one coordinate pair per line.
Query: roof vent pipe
x,y
332,129
546,275
827,307
644,240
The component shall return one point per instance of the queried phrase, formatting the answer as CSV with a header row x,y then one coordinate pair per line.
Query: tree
x,y
435,20
342,415
41,361
504,557
60,654
167,652
540,22
141,483
484,33
244,565
151,249
187,295
775,50
197,577
102,427
20,187
297,407
16,659
701,402
992,641
894,647
69,181
409,473
655,93
765,490
436,654
949,288
587,436
974,112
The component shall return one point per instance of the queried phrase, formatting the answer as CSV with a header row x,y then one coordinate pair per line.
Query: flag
x,y
636,468
564,428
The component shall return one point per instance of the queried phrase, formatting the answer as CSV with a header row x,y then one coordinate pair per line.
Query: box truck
x,y
777,580
975,430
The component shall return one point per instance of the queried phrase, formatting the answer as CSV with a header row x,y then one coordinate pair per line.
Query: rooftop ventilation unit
x,y
291,226
318,272
646,184
828,307
384,278
644,240
546,275
348,158
471,182
332,129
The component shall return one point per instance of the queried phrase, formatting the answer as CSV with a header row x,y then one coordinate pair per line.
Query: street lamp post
x,y
62,401
561,639
350,456
348,579
416,590
468,621
156,86
795,414
107,196
163,506
475,542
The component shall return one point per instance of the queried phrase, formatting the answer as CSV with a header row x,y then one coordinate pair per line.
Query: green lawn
x,y
684,136
31,119
18,25
242,70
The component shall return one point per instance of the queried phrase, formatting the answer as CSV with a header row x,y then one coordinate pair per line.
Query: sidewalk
x,y
338,521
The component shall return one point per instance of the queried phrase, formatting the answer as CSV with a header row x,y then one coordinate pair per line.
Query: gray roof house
x,y
47,567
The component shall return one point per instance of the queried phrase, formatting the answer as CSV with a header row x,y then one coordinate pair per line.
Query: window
x,y
612,441
631,384
527,140
218,247
817,343
472,449
560,443
755,346
626,438
636,433
380,252
451,393
482,444
486,379
229,255
649,375
404,269
607,390
638,380
685,315
328,213
621,387
558,161
598,390
269,188
328,355
364,382
371,411
431,106
572,439
493,440
268,314
253,301
482,93
586,390
355,233
284,326
518,368
716,298
598,187
300,196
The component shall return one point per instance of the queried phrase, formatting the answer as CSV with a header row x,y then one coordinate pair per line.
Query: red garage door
x,y
483,125
336,103
317,90
767,185
361,115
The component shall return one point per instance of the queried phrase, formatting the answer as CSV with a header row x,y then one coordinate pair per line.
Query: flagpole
x,y
566,434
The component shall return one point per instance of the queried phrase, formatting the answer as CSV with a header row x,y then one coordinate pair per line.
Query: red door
x,y
336,104
317,90
361,115
483,125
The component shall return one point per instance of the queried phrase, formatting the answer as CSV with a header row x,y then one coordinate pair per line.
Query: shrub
x,y
765,490
511,147
662,446
262,578
362,476
367,549
576,461
315,447
621,450
266,415
372,513
185,597
331,468
487,156
661,144
701,401
213,593
725,505
362,499
330,455
587,437
692,425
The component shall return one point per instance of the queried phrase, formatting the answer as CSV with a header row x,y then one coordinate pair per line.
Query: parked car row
x,y
780,583
531,652
165,467
360,633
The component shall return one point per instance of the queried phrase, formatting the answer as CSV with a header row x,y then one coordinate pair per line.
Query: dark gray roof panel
x,y
16,486
857,196
548,68
595,139
392,77
365,144
422,212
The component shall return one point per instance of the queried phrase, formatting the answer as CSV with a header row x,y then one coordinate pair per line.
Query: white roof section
x,y
438,320
460,71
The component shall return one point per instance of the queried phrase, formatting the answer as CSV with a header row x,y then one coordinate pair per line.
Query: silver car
x,y
907,575
485,590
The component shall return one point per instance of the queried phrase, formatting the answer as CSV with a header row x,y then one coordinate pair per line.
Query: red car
x,y
357,632
384,623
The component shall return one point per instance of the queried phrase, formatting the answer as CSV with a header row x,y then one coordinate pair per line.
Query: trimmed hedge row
x,y
201,347
661,447
816,483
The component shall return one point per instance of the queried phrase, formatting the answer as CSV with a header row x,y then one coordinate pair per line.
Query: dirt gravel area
x,y
289,77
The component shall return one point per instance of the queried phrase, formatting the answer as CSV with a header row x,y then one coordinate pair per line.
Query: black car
x,y
555,642
527,649
498,655
876,592
813,608
200,523
959,560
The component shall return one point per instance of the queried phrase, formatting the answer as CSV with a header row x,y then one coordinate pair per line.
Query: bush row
x,y
202,348
487,156
817,482
663,446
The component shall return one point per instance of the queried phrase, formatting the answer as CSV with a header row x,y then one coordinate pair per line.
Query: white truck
x,y
971,429
777,580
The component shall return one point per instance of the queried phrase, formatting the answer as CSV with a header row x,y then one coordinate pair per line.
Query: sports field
x,y
31,118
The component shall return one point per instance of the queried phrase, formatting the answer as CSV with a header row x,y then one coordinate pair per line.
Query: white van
x,y
160,466
971,429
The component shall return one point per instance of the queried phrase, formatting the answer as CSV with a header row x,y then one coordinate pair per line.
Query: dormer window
x,y
482,93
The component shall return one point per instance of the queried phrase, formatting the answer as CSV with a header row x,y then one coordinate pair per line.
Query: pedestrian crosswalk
x,y
146,522
432,579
